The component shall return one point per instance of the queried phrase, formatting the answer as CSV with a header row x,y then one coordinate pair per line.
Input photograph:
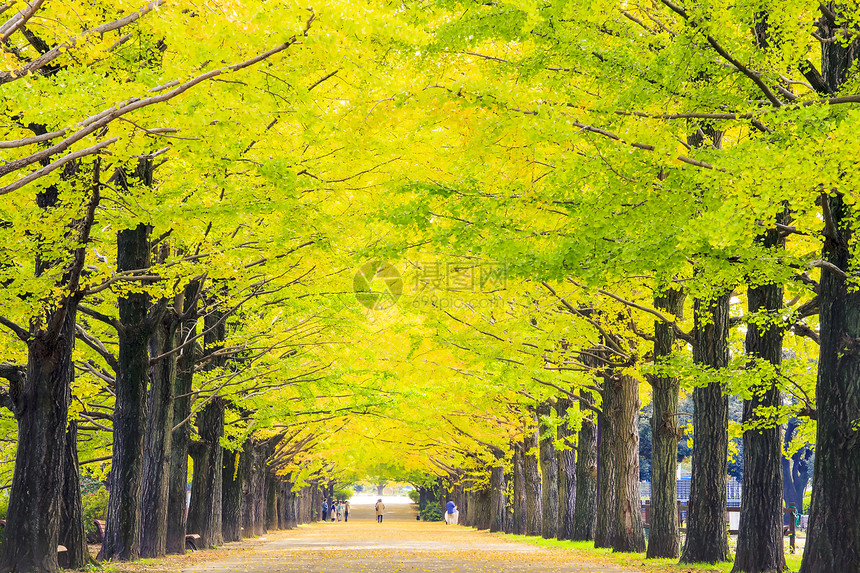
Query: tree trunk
x,y
482,507
566,473
519,518
271,494
181,435
833,538
204,516
606,505
33,517
585,514
627,535
157,456
549,477
122,535
498,503
534,510
664,537
706,530
291,519
380,488
232,476
760,540
72,533
254,500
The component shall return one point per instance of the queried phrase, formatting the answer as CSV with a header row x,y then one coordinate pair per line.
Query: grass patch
x,y
587,551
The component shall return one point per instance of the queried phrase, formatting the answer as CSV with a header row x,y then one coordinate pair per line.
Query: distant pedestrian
x,y
340,510
452,514
380,510
324,509
346,511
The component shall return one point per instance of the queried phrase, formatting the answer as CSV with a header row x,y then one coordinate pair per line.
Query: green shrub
x,y
95,507
432,512
4,503
343,494
414,495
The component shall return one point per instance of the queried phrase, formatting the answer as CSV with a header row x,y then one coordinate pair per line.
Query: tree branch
x,y
663,318
756,78
110,321
107,116
54,53
828,266
96,345
22,18
20,332
52,166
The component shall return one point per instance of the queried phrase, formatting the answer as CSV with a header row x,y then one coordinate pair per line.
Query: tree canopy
x,y
417,241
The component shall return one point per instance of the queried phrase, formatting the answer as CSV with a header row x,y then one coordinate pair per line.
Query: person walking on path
x,y
324,509
452,514
340,510
380,509
346,511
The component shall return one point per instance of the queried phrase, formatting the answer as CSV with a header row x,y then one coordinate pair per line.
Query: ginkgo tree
x,y
217,175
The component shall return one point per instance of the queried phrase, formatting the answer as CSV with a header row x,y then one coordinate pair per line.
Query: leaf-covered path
x,y
399,544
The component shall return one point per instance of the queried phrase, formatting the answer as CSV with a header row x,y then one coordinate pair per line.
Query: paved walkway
x,y
399,544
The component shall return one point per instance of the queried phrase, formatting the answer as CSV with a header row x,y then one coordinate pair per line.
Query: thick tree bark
x,y
606,505
181,433
628,534
291,519
466,508
833,538
232,475
498,501
122,535
72,533
534,510
315,502
33,518
706,530
549,477
519,517
566,473
254,498
482,509
157,455
204,515
271,485
760,540
664,537
585,514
